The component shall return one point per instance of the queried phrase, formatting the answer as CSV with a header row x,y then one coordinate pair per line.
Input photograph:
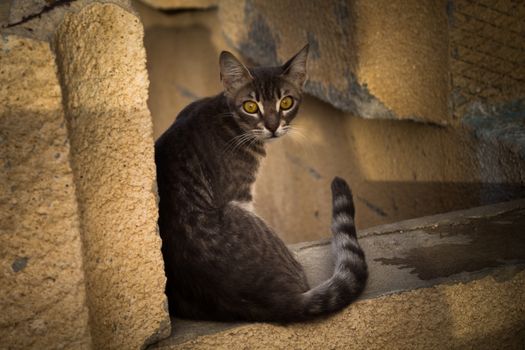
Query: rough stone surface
x,y
382,59
181,4
487,69
175,85
486,52
460,276
39,19
42,283
407,168
19,10
102,66
4,13
402,56
447,248
483,314
499,124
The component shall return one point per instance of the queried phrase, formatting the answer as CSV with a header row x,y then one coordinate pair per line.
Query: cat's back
x,y
191,122
182,152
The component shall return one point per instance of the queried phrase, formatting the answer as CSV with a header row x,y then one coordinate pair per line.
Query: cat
x,y
222,261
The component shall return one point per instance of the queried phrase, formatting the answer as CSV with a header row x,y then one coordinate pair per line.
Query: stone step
x,y
447,281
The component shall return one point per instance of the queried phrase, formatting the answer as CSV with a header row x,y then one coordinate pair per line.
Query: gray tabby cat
x,y
222,261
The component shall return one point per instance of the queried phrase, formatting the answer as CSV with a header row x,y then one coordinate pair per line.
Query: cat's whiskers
x,y
298,137
253,141
234,142
238,141
231,143
294,131
298,129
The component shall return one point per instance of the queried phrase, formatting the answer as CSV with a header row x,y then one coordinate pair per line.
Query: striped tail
x,y
350,273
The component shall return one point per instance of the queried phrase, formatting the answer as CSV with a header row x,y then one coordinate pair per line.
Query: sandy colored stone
x,y
175,85
181,4
94,153
102,64
483,314
402,56
4,13
42,293
378,59
18,10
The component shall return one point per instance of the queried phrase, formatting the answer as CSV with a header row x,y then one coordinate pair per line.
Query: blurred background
x,y
419,105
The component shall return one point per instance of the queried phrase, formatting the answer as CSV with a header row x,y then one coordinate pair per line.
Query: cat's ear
x,y
234,74
295,69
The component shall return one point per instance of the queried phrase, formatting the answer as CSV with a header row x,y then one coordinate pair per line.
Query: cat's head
x,y
264,99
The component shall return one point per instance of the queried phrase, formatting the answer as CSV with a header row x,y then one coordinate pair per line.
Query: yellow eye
x,y
250,107
286,103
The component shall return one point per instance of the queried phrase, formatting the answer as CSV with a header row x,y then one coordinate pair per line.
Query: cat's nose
x,y
272,126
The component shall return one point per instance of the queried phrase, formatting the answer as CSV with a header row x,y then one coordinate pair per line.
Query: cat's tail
x,y
350,273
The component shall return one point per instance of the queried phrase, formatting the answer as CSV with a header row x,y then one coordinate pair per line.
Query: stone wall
x,y
42,293
380,59
81,259
486,53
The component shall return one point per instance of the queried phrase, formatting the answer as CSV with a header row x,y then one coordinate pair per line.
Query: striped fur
x,y
350,274
222,261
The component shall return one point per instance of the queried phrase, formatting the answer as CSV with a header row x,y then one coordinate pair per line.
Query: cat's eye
x,y
286,103
250,107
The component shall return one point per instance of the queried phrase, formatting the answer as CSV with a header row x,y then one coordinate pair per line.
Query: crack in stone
x,y
52,5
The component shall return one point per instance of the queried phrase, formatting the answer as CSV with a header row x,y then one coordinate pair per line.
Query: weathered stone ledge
x,y
457,250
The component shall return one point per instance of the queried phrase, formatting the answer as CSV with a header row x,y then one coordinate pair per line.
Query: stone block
x,y
42,280
381,59
81,181
486,53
